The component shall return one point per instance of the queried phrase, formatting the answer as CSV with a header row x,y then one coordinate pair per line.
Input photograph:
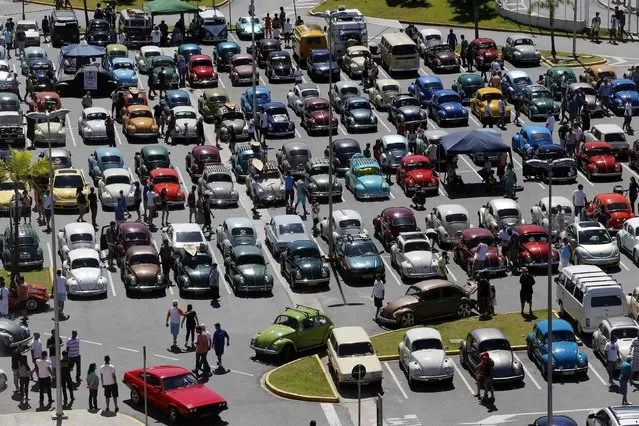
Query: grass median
x,y
304,376
565,59
40,276
514,325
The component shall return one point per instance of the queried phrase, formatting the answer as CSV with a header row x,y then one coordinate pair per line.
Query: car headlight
x,y
38,132
159,278
186,282
617,167
88,130
193,411
72,282
407,266
324,271
298,275
107,195
517,53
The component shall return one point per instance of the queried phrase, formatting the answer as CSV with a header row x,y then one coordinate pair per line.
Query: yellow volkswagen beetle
x,y
488,96
7,191
65,185
138,123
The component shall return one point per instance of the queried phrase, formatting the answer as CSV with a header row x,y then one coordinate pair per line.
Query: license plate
x,y
569,373
24,256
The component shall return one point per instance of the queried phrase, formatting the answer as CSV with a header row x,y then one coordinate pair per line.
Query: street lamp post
x,y
48,116
253,80
574,30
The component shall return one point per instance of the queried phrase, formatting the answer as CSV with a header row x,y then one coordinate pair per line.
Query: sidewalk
x,y
75,418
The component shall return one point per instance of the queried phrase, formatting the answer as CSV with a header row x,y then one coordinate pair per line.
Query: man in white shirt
x,y
122,38
579,200
43,370
156,36
47,205
4,300
36,347
431,153
479,259
263,126
214,282
612,355
503,238
378,295
150,205
495,67
175,315
109,383
60,284
73,351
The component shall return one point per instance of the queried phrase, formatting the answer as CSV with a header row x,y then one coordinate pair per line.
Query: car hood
x,y
358,61
445,56
421,175
389,94
346,364
536,249
320,180
360,113
371,182
18,332
321,116
244,70
419,258
371,261
203,71
544,103
194,396
603,160
220,187
503,360
488,53
86,275
256,27
124,74
98,126
172,189
55,127
325,66
255,272
144,271
272,333
526,50
65,193
628,94
451,107
199,274
598,250
189,122
410,110
114,189
32,34
142,122
429,359
565,353
238,125
591,99
271,184
279,118
309,263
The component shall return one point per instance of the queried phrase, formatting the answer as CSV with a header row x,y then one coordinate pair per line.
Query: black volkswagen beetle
x,y
564,170
264,47
192,270
279,67
408,108
302,265
100,33
13,336
343,150
357,114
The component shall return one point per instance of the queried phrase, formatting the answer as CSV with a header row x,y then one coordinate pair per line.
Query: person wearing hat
x,y
174,316
527,281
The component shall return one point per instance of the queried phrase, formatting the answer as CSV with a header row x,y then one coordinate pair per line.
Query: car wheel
x,y
407,320
529,351
562,313
635,258
174,415
136,399
464,310
3,381
32,305
287,353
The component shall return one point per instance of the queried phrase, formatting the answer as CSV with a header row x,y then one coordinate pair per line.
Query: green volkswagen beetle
x,y
165,62
552,79
192,270
245,270
28,245
294,330
210,101
31,54
466,85
116,51
536,102
151,157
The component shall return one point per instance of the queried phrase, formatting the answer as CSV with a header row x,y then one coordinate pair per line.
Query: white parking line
x,y
111,283
390,270
89,342
391,195
532,379
220,274
460,374
470,166
585,178
472,117
591,368
219,80
127,349
630,170
423,71
140,85
516,162
262,81
117,136
379,120
332,419
166,357
71,131
623,265
14,68
84,175
298,133
341,129
241,372
177,169
541,185
392,373
452,275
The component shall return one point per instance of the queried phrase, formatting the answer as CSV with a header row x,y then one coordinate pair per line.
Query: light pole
x,y
48,116
548,166
574,35
253,79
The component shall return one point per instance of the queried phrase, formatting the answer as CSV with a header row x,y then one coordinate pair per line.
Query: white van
x,y
213,25
588,295
399,53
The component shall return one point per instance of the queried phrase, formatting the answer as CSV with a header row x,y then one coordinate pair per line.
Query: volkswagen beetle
x,y
508,368
235,231
423,358
303,266
84,274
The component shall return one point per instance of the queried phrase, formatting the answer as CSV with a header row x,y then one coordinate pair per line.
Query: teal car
x,y
166,62
244,28
365,179
151,157
295,330
552,79
241,160
466,85
358,257
123,72
245,270
223,53
31,54
28,245
189,49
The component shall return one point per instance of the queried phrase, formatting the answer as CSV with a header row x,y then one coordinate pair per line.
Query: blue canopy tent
x,y
474,141
74,60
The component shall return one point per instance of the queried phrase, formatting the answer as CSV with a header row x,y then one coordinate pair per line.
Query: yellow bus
x,y
306,38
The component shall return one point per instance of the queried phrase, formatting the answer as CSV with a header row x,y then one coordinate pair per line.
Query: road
x,y
120,325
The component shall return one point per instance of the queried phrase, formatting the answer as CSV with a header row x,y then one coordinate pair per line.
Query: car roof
x,y
82,253
530,228
634,222
296,145
184,108
621,321
447,209
596,144
163,371
486,90
428,79
419,333
205,149
116,171
145,49
350,334
302,244
277,53
415,158
155,150
122,59
304,86
622,81
342,142
346,214
163,171
608,128
587,224
284,219
104,151
557,200
517,74
190,46
356,48
142,249
58,152
227,44
611,197
258,90
239,222
126,227
625,415
354,98
273,105
557,325
199,56
504,203
217,91
430,284
398,212
384,81
95,110
476,232
247,249
470,76
483,40
186,227
537,129
386,139
79,228
67,172
482,334
443,92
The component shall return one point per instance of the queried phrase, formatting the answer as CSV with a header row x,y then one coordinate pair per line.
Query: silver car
x,y
412,255
494,341
445,221
342,89
145,55
60,157
499,212
300,92
423,358
592,245
520,50
394,146
284,229
217,183
235,231
92,125
83,271
76,235
624,328
266,185
293,157
345,222
592,103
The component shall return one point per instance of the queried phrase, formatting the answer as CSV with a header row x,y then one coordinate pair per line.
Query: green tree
x,y
19,168
551,6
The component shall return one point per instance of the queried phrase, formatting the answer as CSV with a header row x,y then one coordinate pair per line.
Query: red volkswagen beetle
x,y
167,178
200,157
596,159
616,205
533,247
465,246
416,170
175,391
200,71
127,234
391,221
315,117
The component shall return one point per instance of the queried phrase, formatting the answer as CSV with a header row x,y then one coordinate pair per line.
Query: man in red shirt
x,y
202,347
268,26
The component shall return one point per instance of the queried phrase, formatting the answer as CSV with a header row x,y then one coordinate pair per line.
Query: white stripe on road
x,y
166,357
379,120
89,342
392,373
452,275
71,131
298,133
623,265
591,368
332,419
532,379
219,80
177,169
117,136
140,85
128,350
585,178
472,117
390,270
262,81
341,129
470,167
630,169
461,376
111,283
243,373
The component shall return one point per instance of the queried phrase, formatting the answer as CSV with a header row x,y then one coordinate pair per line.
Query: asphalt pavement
x,y
120,326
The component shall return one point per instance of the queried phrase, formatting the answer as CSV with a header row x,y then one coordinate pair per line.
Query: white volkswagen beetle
x,y
444,222
112,182
144,56
84,273
539,213
92,125
76,235
412,256
423,358
295,98
498,212
628,238
185,125
345,222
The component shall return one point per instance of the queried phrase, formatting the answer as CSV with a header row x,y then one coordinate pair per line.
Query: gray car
x,y
61,158
316,177
592,245
284,229
592,103
235,231
495,342
342,89
217,183
520,50
293,157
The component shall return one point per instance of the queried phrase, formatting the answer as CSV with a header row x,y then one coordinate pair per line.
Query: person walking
x,y
268,26
110,131
612,356
73,350
199,129
479,374
191,204
595,26
487,117
513,250
565,251
627,117
612,39
87,101
202,347
289,189
214,283
207,214
47,208
93,383
517,105
511,182
174,314
470,58
27,206
24,376
489,375
527,281
36,347
605,90
81,199
502,114
579,200
451,39
164,205
166,258
66,365
463,50
4,300
315,209
479,259
60,284
634,351
109,383
53,346
191,319
378,294
137,200
625,374
93,206
44,371
633,192
220,336
483,293
151,205
300,188
46,29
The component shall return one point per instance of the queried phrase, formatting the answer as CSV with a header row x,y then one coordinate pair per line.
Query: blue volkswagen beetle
x,y
177,98
279,122
359,258
514,82
567,359
623,89
320,63
102,159
446,107
189,49
262,96
122,71
530,137
423,88
223,53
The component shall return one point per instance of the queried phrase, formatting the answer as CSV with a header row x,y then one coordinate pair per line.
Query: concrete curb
x,y
301,397
43,3
585,64
451,352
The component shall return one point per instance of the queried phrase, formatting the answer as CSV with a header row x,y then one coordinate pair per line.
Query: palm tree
x,y
552,6
18,168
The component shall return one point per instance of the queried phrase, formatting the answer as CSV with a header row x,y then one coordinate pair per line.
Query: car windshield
x,y
368,171
136,236
110,159
29,26
359,53
359,105
588,90
594,236
219,177
11,186
612,207
567,210
624,87
99,26
318,106
140,113
162,62
87,262
97,116
135,100
140,259
157,158
508,213
280,60
186,115
522,80
625,333
563,336
38,66
189,237
407,102
291,228
242,231
537,94
348,150
494,345
310,93
418,165
118,180
193,262
457,217
9,105
81,238
487,239
322,57
350,223
306,252
298,153
615,137
421,245
61,162
361,248
349,90
123,65
534,238
448,98
523,41
68,181
403,221
218,99
318,170
165,179
201,63
232,116
181,381
355,349
487,45
242,61
277,111
251,259
488,97
599,151
610,75
26,241
247,20
269,175
230,51
536,137
262,97
390,88
426,344
396,146
287,321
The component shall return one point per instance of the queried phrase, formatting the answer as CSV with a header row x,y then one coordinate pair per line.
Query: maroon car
x,y
315,117
127,235
485,52
241,69
391,221
264,47
465,246
441,57
200,157
533,247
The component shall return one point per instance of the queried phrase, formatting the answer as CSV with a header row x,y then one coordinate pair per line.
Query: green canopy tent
x,y
169,7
